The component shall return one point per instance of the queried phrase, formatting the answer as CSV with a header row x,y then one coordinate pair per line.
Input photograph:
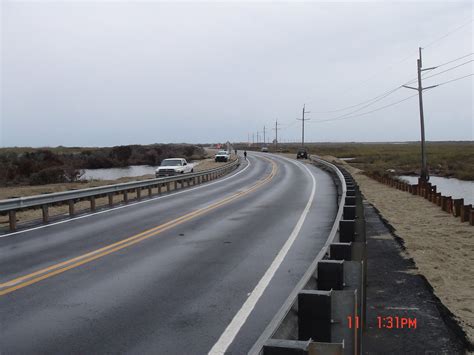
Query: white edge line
x,y
239,319
128,205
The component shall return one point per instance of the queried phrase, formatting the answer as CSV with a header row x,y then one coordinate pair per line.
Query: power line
x,y
385,94
448,34
360,103
366,113
449,69
454,60
367,105
391,104
456,79
288,125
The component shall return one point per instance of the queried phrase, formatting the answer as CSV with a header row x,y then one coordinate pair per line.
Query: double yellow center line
x,y
34,277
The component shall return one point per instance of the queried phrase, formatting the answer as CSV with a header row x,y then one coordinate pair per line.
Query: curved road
x,y
200,270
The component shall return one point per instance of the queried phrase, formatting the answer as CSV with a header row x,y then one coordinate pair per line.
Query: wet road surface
x,y
201,269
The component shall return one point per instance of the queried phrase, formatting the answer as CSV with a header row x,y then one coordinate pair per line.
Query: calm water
x,y
116,173
449,187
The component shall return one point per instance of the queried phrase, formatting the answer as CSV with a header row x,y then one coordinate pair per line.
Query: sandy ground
x,y
28,215
441,246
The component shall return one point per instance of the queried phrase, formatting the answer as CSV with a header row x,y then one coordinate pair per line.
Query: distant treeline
x,y
29,166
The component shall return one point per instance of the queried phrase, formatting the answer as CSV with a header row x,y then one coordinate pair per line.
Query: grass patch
x,y
448,159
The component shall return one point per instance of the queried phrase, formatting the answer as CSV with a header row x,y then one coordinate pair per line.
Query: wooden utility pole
x,y
264,141
424,167
276,134
302,119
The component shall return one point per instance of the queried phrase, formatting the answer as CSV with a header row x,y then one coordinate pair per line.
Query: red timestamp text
x,y
386,322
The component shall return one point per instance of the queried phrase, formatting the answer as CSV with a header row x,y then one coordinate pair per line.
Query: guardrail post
x,y
159,189
350,193
349,212
150,191
298,347
111,199
71,207
340,251
168,187
175,184
125,196
45,212
92,200
287,347
346,231
139,193
323,317
350,201
12,220
314,315
330,275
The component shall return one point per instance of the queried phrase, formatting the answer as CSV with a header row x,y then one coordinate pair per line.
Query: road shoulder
x,y
396,289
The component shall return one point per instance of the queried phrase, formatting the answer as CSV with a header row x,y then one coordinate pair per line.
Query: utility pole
x,y
257,138
276,134
264,135
424,168
302,119
253,138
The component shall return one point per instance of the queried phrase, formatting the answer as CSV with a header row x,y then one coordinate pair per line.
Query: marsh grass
x,y
449,159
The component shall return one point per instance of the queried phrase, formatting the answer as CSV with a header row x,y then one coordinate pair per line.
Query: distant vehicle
x,y
222,155
264,149
302,153
173,166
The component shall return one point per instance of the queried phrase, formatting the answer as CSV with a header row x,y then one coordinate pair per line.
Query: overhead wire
x,y
386,93
449,33
368,112
444,71
377,98
389,105
456,79
454,60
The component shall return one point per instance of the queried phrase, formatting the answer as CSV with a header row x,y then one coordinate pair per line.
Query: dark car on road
x,y
302,154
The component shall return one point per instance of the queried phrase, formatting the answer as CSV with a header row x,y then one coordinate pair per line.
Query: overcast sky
x,y
107,73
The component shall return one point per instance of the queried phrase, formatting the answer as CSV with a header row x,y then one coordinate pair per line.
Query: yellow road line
x,y
26,280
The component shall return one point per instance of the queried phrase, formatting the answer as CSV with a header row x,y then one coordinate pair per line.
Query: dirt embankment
x,y
441,246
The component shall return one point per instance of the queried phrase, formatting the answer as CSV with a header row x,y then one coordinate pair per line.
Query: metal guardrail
x,y
11,206
329,291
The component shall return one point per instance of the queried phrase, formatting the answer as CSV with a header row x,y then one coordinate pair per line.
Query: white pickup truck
x,y
222,155
174,166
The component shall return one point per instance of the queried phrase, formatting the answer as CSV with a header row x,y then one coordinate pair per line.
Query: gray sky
x,y
106,73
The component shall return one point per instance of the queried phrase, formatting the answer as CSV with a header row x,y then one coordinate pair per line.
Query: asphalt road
x,y
199,270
